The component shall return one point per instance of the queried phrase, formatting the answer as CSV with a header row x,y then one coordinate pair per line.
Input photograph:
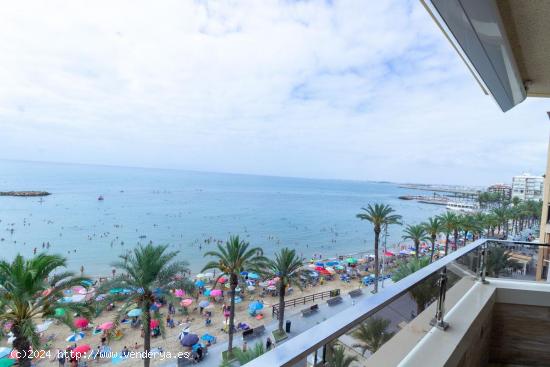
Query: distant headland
x,y
24,193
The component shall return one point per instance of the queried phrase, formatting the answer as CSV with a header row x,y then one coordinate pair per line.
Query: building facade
x,y
504,190
527,187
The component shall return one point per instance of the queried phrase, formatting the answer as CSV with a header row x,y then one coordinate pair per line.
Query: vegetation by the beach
x,y
232,258
424,292
433,227
279,335
416,233
243,357
337,357
150,269
372,334
287,266
32,288
379,215
498,259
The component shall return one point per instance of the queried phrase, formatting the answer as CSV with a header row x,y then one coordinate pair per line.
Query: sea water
x,y
188,211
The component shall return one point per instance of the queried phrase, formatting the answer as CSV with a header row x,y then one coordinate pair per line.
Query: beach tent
x,y
255,306
135,312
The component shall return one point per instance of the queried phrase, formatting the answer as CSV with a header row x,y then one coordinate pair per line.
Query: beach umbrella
x,y
40,328
81,349
86,283
200,276
189,340
106,325
75,337
199,283
154,307
339,267
238,299
101,297
46,292
79,289
253,276
179,293
255,306
332,263
313,274
351,260
204,303
7,362
135,312
208,338
312,266
4,351
80,322
208,275
324,272
222,280
59,312
330,270
319,268
215,292
186,302
319,263
77,298
244,273
115,291
154,323
68,292
388,253
207,292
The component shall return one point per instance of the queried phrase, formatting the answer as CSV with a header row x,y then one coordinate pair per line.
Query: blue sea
x,y
189,211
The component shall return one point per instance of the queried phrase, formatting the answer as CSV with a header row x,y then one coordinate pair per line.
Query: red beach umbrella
x,y
106,325
154,323
81,322
81,349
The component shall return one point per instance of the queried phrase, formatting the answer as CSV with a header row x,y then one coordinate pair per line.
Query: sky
x,y
363,90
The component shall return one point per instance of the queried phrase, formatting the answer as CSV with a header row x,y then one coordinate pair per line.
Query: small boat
x,y
465,207
100,198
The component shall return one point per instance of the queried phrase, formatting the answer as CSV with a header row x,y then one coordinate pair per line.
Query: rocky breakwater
x,y
24,193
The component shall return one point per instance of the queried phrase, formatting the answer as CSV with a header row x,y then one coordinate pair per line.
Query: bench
x,y
252,333
355,293
334,300
310,310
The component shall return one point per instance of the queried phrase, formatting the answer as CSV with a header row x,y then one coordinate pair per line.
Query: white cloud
x,y
349,89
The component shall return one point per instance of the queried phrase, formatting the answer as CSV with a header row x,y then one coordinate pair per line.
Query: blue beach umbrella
x,y
75,337
319,263
115,291
86,283
189,340
253,276
207,292
135,312
244,273
204,303
199,283
255,306
333,263
208,338
238,299
5,351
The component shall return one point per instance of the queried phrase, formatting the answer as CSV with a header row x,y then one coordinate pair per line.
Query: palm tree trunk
x,y
446,243
281,305
416,248
146,333
433,248
23,346
455,236
376,270
234,282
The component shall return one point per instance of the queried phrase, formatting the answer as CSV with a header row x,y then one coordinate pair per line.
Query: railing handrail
x,y
303,344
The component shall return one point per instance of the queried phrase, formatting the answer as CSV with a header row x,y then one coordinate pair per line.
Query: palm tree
x,y
372,334
31,288
417,233
502,216
338,358
150,270
498,259
448,220
379,215
433,226
422,293
245,357
286,266
232,258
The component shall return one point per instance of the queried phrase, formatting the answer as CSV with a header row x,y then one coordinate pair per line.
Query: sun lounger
x,y
252,333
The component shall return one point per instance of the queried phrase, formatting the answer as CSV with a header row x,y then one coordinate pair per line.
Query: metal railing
x,y
316,338
303,300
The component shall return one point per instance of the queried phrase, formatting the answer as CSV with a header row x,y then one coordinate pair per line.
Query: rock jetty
x,y
24,193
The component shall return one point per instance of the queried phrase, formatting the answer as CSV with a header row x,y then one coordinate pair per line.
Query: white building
x,y
527,187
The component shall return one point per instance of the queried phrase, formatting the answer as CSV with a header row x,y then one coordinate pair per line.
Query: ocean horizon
x,y
189,211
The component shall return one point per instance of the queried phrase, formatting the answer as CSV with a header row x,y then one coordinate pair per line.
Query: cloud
x,y
344,89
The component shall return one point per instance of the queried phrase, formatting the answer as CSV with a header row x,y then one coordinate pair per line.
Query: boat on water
x,y
100,198
464,207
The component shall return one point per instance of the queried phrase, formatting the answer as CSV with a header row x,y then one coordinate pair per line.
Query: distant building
x,y
504,190
527,187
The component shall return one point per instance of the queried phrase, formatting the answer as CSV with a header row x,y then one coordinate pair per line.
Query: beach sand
x,y
197,325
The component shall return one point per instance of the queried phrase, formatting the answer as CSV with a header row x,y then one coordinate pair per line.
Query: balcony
x,y
449,313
